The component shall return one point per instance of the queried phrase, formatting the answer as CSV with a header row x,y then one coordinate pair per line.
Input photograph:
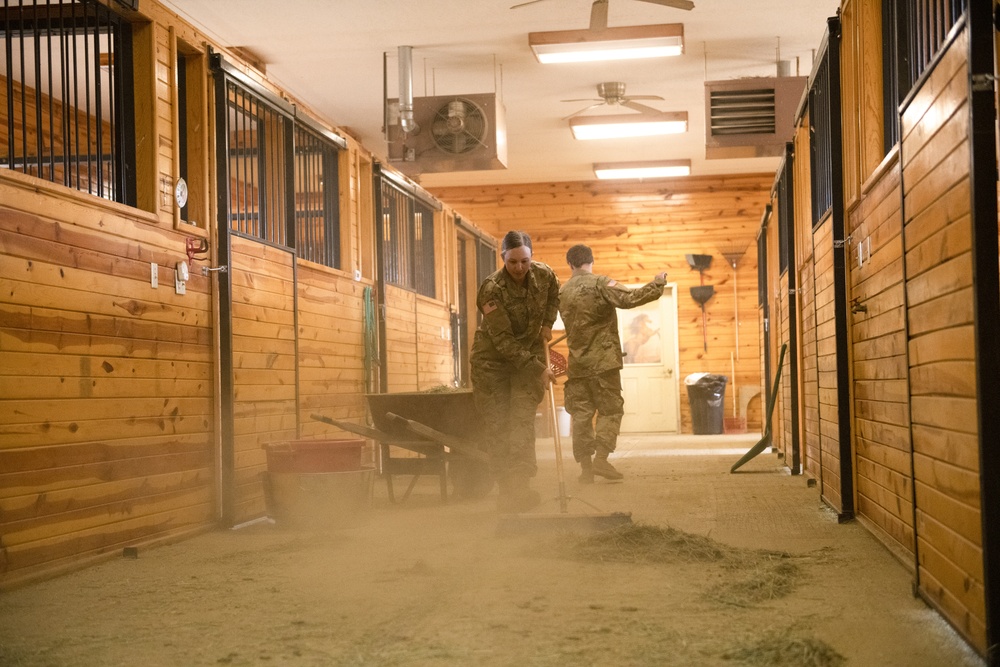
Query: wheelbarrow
x,y
441,427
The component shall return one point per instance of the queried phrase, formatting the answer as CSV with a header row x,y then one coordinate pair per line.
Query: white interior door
x,y
649,378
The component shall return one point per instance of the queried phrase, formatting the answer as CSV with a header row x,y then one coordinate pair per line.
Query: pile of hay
x,y
787,651
751,576
641,543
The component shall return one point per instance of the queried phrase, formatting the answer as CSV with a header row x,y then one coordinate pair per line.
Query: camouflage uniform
x,y
587,303
508,358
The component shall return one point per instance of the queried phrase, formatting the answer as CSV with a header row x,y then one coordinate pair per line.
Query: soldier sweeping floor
x,y
519,304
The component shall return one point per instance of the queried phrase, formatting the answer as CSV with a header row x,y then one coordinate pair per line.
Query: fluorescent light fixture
x,y
641,41
628,125
654,169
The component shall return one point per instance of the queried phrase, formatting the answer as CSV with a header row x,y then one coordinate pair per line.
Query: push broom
x,y
563,520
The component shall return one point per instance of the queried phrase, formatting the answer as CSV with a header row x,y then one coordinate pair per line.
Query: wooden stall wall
x,y
418,345
943,402
805,266
107,403
783,415
826,365
435,359
108,408
881,428
264,364
331,348
639,229
881,406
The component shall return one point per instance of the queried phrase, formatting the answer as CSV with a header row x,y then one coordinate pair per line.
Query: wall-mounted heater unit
x,y
752,117
452,133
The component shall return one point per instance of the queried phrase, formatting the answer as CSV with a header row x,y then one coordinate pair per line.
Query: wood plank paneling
x,y
264,384
331,349
107,411
883,461
942,385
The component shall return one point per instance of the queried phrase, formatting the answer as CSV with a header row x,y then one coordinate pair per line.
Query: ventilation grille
x,y
751,117
742,112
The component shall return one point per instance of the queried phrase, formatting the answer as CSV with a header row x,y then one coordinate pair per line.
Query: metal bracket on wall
x,y
220,269
840,243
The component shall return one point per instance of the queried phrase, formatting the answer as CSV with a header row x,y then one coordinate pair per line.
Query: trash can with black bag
x,y
706,394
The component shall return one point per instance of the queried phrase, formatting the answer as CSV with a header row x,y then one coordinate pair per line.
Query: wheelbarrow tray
x,y
450,412
441,426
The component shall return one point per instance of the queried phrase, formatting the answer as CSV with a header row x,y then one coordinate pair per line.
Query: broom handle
x,y
736,311
557,438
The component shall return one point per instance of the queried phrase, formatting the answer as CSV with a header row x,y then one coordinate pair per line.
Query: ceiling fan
x,y
599,10
613,93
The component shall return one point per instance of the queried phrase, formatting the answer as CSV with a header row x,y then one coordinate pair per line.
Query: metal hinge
x,y
840,243
981,82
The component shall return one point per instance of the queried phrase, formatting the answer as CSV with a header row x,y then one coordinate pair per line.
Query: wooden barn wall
x,y
639,229
776,338
106,414
330,349
826,366
264,364
809,432
805,260
873,197
878,337
942,387
783,425
435,359
418,345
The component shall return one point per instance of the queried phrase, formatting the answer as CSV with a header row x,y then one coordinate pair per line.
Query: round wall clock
x,y
181,192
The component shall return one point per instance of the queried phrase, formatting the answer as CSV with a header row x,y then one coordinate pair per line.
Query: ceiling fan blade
x,y
525,4
585,99
641,97
640,107
676,4
577,113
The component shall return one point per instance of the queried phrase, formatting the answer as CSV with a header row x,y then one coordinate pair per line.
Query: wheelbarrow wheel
x,y
470,479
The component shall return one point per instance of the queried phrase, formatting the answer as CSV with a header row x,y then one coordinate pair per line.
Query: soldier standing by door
x,y
519,304
587,303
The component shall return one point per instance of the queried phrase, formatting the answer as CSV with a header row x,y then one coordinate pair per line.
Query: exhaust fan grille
x,y
742,112
459,127
751,117
455,133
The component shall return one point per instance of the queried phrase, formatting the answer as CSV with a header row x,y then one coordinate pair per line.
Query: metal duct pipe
x,y
406,121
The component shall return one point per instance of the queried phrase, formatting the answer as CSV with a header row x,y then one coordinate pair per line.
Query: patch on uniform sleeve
x,y
489,307
612,282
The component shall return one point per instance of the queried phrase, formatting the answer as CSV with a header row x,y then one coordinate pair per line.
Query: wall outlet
x,y
154,275
357,274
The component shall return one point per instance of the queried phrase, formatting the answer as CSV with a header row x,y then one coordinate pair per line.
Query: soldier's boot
x,y
603,468
515,496
523,497
586,471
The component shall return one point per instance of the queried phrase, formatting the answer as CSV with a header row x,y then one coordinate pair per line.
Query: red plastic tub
x,y
311,456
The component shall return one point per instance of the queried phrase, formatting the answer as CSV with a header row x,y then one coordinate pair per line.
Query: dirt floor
x,y
715,569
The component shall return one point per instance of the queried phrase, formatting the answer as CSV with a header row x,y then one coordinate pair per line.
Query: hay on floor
x,y
787,651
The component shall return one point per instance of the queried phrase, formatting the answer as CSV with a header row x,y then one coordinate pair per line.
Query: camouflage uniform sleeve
x,y
620,296
496,325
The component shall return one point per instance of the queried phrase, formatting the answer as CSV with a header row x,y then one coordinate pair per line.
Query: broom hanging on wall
x,y
733,251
